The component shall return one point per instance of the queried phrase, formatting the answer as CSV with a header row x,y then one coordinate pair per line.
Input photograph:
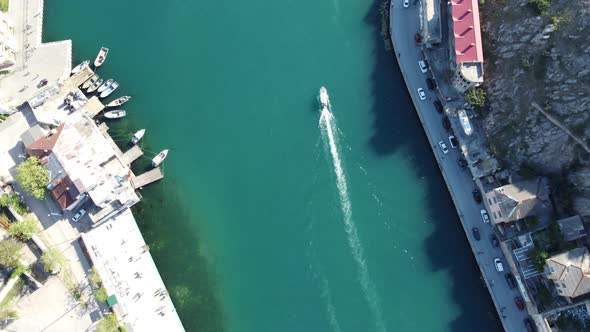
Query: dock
x,y
147,178
94,106
132,154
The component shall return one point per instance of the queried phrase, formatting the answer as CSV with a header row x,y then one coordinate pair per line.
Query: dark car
x,y
476,233
476,195
462,162
519,303
42,83
430,83
494,240
438,106
530,326
446,123
510,280
417,39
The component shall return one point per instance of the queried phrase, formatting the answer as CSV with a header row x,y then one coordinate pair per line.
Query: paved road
x,y
404,24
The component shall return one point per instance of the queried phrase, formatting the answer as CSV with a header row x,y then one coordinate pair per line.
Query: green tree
x,y
101,294
23,230
538,258
13,200
53,260
540,6
107,323
33,177
10,253
476,97
94,278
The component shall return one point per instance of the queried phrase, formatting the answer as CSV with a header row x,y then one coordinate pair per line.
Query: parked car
x,y
423,66
42,83
430,83
79,215
494,240
484,214
462,162
498,265
438,106
510,280
519,303
453,141
530,326
443,147
421,94
476,233
406,3
477,196
417,39
446,123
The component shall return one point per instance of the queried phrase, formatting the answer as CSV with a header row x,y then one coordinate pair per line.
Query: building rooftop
x,y
570,271
466,30
571,228
136,291
518,200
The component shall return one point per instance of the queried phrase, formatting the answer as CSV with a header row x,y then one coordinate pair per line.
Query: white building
x,y
7,42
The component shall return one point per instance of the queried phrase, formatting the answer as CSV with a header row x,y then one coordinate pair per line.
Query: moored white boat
x,y
109,90
464,120
116,114
159,158
101,56
324,98
90,81
105,85
80,66
119,101
95,85
137,136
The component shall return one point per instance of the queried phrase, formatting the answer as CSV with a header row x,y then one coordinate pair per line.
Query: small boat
x,y
137,136
90,81
464,120
94,86
119,101
109,90
80,66
324,98
159,158
105,85
101,56
116,114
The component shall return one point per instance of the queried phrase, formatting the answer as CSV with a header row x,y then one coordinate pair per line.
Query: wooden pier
x,y
147,178
132,154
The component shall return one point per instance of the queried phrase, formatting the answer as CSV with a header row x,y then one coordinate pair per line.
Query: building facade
x,y
570,271
7,42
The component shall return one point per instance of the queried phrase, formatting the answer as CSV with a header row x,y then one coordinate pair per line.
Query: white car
x,y
79,215
498,264
421,94
406,3
423,67
443,147
485,216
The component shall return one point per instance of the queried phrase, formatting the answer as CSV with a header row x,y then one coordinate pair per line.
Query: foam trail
x,y
367,285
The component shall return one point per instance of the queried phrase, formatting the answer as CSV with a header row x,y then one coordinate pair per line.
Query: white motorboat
x,y
94,85
116,114
90,81
324,98
80,66
159,158
137,136
109,90
101,57
464,119
119,101
105,85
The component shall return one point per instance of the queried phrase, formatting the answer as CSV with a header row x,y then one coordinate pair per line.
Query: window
x,y
563,285
495,201
551,269
489,200
495,217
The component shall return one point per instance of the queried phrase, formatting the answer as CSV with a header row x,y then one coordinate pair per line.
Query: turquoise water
x,y
254,228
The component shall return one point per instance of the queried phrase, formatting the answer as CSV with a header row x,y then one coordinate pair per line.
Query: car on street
x,y
462,162
476,233
423,66
494,240
443,147
79,215
417,39
484,215
530,326
430,83
510,280
406,3
519,303
476,195
446,123
42,83
453,141
421,94
498,265
438,106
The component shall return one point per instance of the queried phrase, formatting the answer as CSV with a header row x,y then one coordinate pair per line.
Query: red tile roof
x,y
43,146
467,32
64,192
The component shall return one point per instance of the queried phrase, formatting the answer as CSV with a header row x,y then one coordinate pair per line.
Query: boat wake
x,y
328,128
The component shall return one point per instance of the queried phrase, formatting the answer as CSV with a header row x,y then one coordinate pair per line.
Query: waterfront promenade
x,y
404,23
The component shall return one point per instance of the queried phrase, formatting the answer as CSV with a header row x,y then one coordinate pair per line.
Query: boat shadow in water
x,y
397,129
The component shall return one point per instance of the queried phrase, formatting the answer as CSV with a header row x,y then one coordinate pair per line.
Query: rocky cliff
x,y
543,57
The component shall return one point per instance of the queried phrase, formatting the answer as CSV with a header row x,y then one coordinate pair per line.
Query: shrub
x,y
53,260
538,258
107,323
10,253
540,6
476,97
101,294
23,230
14,201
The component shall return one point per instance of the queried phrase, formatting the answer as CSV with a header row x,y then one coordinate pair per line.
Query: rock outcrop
x,y
543,59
